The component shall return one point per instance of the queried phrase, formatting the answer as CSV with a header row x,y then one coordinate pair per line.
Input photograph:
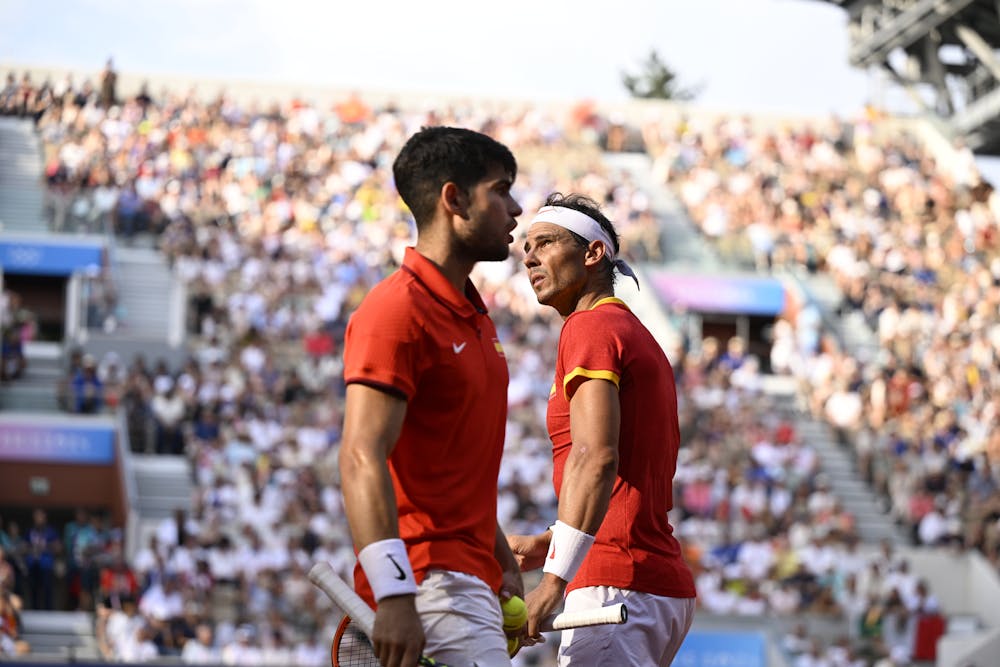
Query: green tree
x,y
655,81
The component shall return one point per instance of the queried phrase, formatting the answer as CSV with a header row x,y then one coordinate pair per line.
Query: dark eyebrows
x,y
544,236
505,183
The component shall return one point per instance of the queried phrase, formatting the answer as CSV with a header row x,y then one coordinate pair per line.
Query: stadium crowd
x,y
915,248
279,219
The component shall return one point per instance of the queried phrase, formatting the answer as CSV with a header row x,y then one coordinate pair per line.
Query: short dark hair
x,y
438,155
591,209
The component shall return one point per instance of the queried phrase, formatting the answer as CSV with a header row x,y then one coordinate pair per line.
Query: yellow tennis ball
x,y
512,645
515,614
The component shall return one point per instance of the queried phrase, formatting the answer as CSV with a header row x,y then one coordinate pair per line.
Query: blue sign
x,y
48,258
721,294
57,443
722,649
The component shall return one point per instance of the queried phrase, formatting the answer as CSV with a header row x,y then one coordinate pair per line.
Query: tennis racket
x,y
351,644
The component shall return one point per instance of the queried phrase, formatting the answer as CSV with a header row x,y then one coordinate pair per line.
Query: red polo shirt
x,y
635,547
416,336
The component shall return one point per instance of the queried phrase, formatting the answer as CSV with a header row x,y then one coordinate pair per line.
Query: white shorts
x,y
462,620
652,635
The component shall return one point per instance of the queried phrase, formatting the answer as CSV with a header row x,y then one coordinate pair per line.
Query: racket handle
x,y
323,576
614,615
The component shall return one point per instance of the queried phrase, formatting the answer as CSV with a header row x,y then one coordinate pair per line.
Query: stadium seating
x,y
277,223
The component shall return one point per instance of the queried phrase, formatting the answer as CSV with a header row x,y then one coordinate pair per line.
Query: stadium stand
x,y
274,221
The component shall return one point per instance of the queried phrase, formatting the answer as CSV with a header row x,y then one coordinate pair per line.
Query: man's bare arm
x,y
589,475
588,480
373,420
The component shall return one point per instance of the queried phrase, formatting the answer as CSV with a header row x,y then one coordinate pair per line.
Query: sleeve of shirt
x,y
589,350
382,348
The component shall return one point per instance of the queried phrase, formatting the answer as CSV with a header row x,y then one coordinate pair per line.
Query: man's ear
x,y
595,253
455,200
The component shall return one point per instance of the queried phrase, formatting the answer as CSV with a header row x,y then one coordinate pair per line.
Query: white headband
x,y
585,226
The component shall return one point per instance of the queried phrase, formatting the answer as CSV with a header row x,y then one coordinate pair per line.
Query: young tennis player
x,y
426,412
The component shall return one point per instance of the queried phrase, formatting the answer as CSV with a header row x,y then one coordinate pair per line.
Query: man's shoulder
x,y
611,320
399,293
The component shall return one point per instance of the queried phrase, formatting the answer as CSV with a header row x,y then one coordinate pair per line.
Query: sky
x,y
750,55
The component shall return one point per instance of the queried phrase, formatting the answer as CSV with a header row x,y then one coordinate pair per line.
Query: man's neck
x,y
455,270
589,298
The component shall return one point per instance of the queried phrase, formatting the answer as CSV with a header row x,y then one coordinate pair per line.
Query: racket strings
x,y
354,649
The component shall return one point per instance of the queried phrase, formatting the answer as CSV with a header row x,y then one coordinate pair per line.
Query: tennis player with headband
x,y
612,419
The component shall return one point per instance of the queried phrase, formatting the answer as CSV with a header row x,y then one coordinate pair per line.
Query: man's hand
x,y
529,550
542,602
398,636
511,585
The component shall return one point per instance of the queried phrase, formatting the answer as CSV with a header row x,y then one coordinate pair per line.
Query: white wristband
x,y
567,549
388,568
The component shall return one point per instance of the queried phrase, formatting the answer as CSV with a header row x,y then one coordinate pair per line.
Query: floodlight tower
x,y
943,53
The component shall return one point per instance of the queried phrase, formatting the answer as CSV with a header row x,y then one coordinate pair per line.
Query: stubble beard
x,y
481,252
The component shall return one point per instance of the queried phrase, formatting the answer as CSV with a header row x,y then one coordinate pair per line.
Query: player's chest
x,y
464,354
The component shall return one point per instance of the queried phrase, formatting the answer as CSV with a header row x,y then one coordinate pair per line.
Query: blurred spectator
x,y
117,582
168,410
17,327
11,644
243,650
139,647
116,627
200,650
43,545
87,388
79,538
109,82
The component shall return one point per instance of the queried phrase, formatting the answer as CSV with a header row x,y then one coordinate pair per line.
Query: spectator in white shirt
x,y
311,653
756,556
243,649
276,651
224,562
200,650
147,559
168,410
116,627
139,647
163,600
751,604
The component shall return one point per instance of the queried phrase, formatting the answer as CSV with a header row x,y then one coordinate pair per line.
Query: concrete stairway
x,y
873,524
163,484
60,636
21,190
35,391
144,283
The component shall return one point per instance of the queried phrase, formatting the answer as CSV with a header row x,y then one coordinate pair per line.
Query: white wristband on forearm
x,y
567,549
388,568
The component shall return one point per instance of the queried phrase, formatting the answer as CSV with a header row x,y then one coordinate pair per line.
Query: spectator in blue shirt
x,y
43,542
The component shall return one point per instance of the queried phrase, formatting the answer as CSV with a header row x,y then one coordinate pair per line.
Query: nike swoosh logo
x,y
552,554
401,575
457,348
